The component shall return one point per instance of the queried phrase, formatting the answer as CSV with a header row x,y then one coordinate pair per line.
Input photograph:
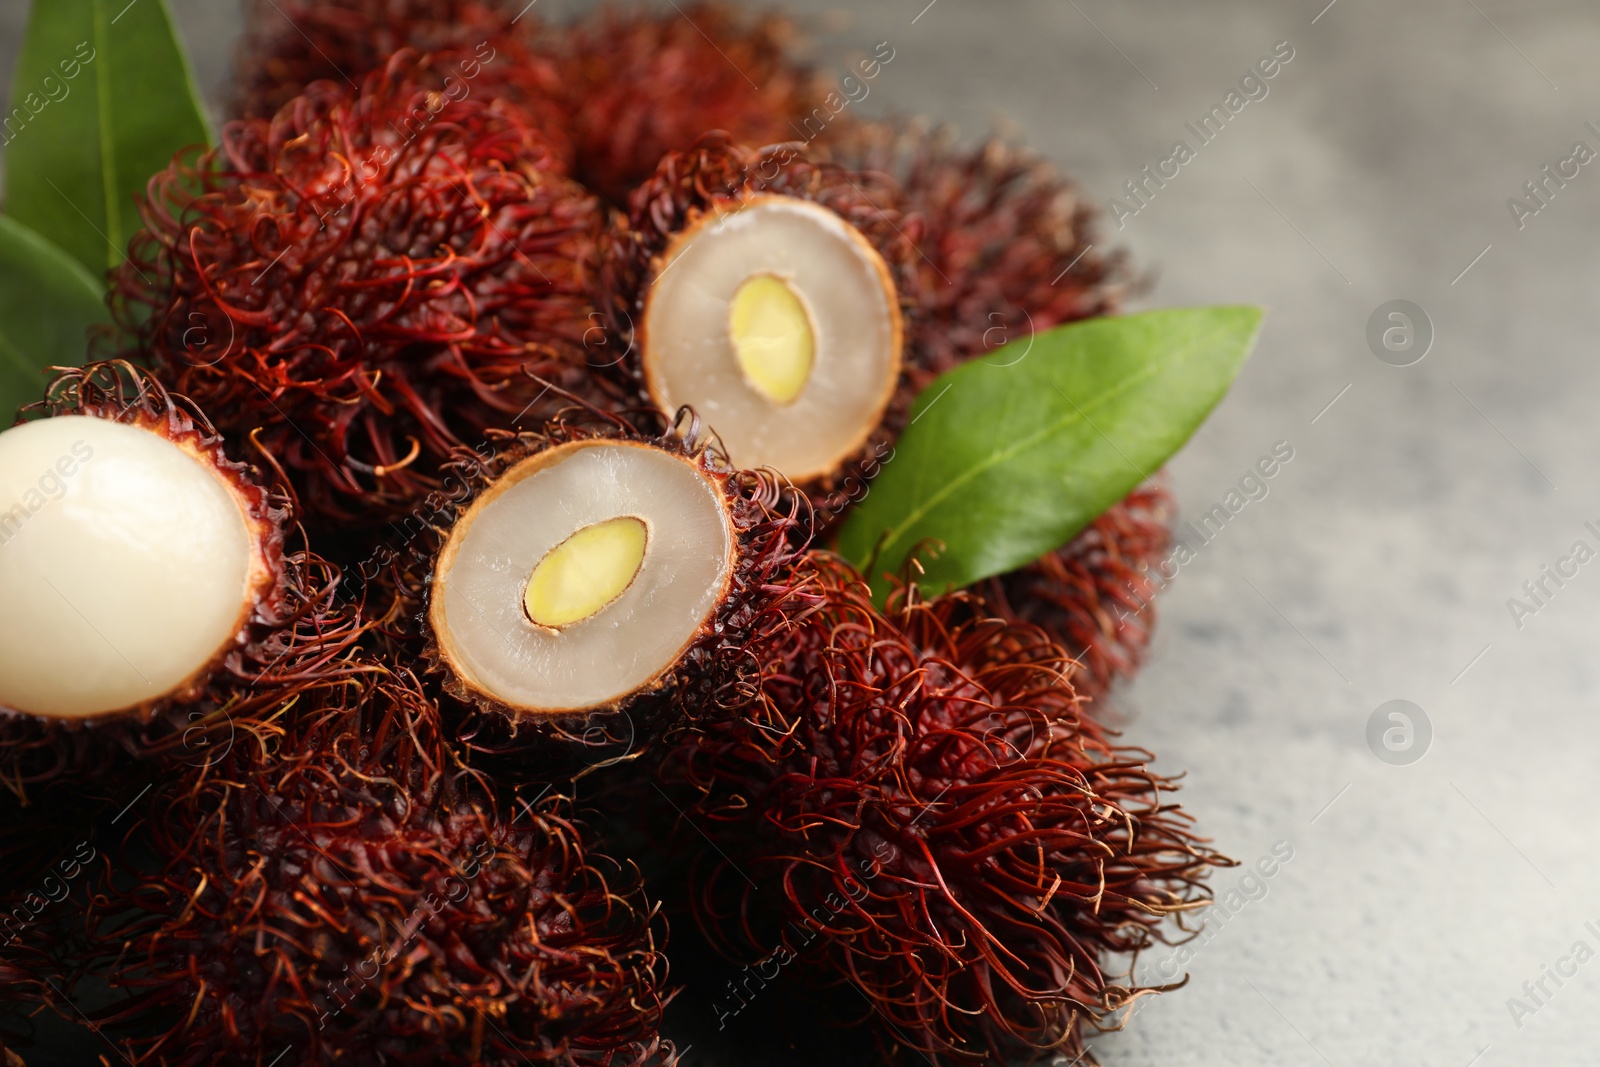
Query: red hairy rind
x,y
1095,595
1009,248
363,283
714,674
720,175
342,888
296,630
639,84
917,806
290,44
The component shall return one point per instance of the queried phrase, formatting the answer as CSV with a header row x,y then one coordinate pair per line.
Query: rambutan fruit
x,y
151,602
290,44
343,891
916,807
363,282
589,585
1008,248
640,84
765,291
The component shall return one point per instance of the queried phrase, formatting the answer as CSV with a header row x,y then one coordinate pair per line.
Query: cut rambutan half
x,y
640,84
916,806
150,598
765,291
341,890
365,281
594,584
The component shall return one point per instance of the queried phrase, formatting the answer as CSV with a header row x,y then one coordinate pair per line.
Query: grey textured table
x,y
1421,897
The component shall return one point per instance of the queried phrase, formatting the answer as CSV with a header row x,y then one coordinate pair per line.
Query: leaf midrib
x,y
1025,443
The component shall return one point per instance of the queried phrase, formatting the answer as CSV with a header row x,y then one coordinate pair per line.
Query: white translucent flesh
x,y
124,566
483,578
691,358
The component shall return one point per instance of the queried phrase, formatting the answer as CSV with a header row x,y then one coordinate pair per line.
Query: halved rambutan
x,y
916,806
365,281
343,891
590,585
765,291
150,601
640,84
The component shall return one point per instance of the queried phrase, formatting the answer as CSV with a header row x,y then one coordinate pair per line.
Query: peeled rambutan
x,y
916,807
589,585
640,84
342,891
363,282
152,605
765,291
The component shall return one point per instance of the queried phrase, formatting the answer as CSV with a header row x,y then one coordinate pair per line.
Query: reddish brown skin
x,y
638,85
297,631
917,806
713,675
362,308
290,44
342,887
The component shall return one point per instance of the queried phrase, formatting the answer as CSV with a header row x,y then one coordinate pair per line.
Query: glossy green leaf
x,y
102,99
47,303
1006,458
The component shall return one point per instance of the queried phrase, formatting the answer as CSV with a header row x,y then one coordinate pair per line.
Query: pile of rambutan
x,y
451,506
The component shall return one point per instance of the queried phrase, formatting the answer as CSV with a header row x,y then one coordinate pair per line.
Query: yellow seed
x,y
586,572
772,337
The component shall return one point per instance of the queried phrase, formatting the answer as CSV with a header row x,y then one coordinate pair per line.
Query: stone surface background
x,y
1421,897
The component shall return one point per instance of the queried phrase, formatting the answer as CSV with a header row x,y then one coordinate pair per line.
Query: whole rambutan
x,y
640,84
917,807
152,605
363,282
342,891
765,290
590,585
290,44
1009,248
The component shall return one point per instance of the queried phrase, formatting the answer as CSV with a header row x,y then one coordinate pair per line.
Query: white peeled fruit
x,y
581,576
125,566
779,323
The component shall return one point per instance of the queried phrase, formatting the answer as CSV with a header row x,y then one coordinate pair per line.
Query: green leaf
x,y
1006,458
47,303
102,99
